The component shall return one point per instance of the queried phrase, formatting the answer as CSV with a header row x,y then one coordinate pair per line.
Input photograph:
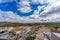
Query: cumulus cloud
x,y
51,12
25,9
53,8
11,17
24,6
47,1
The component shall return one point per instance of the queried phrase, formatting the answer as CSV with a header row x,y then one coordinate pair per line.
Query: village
x,y
29,33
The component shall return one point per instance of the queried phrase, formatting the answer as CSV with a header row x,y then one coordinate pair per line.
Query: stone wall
x,y
54,37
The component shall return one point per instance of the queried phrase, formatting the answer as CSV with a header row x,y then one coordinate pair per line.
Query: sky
x,y
30,11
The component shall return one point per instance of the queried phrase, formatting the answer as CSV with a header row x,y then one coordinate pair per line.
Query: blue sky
x,y
29,11
12,6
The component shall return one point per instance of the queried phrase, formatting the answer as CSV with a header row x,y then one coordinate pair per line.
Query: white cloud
x,y
51,13
24,6
25,9
54,7
34,1
11,17
47,1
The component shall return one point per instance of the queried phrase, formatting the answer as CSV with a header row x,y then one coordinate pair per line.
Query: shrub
x,y
29,38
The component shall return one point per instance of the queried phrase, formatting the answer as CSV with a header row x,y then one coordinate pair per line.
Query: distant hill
x,y
25,24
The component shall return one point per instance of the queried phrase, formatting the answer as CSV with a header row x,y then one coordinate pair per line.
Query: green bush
x,y
29,38
53,26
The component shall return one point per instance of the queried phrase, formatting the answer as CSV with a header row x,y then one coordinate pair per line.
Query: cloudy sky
x,y
30,11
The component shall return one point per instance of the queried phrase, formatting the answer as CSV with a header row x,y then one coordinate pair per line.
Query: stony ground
x,y
40,33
